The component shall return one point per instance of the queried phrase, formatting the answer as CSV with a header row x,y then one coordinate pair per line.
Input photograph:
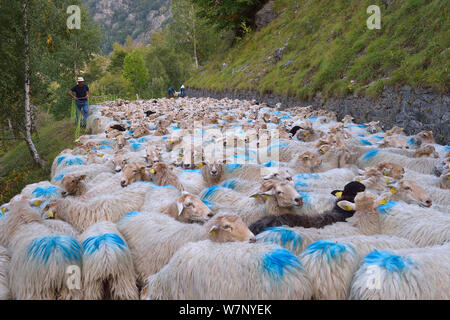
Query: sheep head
x,y
308,160
410,192
228,228
426,151
189,208
134,172
283,193
391,169
73,185
424,137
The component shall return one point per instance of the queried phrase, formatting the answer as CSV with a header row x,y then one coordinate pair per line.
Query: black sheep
x,y
118,127
318,221
149,113
294,130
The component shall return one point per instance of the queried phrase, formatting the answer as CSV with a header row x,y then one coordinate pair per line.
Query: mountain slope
x,y
322,45
120,18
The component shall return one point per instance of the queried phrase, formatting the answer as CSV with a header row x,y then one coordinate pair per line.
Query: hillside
x,y
322,45
120,18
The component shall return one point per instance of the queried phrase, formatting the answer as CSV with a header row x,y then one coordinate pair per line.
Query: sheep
x,y
283,198
192,180
423,226
108,270
314,221
153,154
444,180
82,212
404,274
162,174
134,172
154,238
331,263
40,258
331,179
4,274
365,221
421,165
426,151
182,206
255,271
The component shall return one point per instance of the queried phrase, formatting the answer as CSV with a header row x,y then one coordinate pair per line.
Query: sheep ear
x,y
35,202
346,205
180,207
82,177
213,229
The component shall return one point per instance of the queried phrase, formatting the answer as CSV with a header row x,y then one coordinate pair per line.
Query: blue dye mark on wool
x,y
131,214
165,137
387,260
230,184
192,170
276,146
312,118
130,132
277,262
270,164
324,247
136,146
365,142
379,137
369,155
362,126
209,204
43,192
277,113
243,156
411,141
59,177
58,161
286,236
250,121
306,176
286,117
232,166
41,248
361,135
91,244
105,142
306,198
74,162
105,147
447,148
385,208
142,140
300,184
208,193
175,128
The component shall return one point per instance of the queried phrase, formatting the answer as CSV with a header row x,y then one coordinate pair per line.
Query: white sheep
x,y
421,165
404,274
40,258
4,273
236,271
331,263
108,270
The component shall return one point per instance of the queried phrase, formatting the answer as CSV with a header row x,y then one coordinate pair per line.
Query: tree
x,y
229,14
135,71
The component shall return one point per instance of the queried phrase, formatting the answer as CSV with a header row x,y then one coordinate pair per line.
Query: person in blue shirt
x,y
171,92
182,94
81,91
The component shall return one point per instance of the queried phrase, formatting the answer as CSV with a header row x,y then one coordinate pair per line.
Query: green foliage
x,y
135,71
327,44
229,14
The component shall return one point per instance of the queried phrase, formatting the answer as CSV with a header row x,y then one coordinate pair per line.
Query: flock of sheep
x,y
227,199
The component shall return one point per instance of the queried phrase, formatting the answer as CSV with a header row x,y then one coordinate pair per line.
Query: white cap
x,y
80,79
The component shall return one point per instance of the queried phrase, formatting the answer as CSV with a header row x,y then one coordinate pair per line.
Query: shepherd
x,y
81,99
183,94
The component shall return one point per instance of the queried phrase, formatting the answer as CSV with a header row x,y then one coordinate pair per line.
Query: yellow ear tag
x,y
338,194
305,133
383,201
348,208
180,155
152,171
254,196
213,233
37,203
371,167
3,210
50,214
200,165
142,170
393,190
387,180
359,180
101,155
267,196
170,141
323,151
305,158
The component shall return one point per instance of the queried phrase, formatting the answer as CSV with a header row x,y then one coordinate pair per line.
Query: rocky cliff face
x,y
120,18
413,109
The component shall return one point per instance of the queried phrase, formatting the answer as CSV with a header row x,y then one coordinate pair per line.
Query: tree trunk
x,y
194,35
37,159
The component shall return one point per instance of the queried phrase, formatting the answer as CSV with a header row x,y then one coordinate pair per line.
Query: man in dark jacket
x,y
81,99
